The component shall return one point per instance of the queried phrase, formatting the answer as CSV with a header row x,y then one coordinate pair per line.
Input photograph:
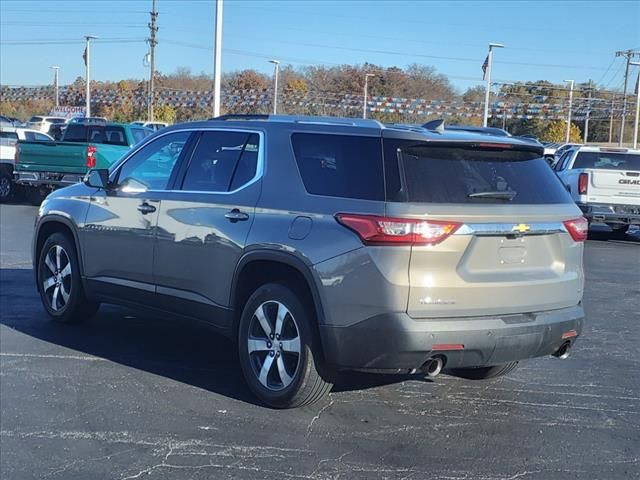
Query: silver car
x,y
324,244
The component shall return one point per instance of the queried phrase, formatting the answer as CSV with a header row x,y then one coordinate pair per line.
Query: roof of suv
x,y
414,132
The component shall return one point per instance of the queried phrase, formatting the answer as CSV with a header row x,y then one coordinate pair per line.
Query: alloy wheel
x,y
274,345
55,275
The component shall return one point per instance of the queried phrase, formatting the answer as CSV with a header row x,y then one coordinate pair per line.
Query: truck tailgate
x,y
613,186
52,157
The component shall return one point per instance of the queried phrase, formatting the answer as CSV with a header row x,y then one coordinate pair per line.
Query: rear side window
x,y
607,161
417,172
222,161
340,165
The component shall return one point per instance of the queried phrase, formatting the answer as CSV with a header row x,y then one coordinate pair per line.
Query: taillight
x,y
578,228
583,183
91,156
374,230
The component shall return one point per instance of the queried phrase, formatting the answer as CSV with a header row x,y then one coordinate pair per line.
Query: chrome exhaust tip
x,y
563,352
433,367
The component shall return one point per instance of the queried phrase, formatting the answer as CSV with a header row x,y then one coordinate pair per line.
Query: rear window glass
x,y
8,138
35,119
75,133
139,134
417,172
340,165
56,120
607,161
112,136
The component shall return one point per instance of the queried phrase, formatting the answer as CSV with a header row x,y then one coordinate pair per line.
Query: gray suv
x,y
325,244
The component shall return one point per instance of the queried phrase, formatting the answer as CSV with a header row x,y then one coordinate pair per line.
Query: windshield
x,y
419,173
608,161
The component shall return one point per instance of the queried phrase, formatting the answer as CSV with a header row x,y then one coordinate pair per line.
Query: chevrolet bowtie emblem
x,y
521,228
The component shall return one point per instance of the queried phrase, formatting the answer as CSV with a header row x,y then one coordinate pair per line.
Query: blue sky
x,y
544,39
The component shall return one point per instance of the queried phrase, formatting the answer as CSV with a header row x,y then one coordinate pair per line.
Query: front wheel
x,y
279,349
59,282
484,373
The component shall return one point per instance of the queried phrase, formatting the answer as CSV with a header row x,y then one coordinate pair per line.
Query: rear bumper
x,y
37,179
611,214
397,342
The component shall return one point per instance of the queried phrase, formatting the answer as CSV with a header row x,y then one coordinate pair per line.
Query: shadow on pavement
x,y
185,351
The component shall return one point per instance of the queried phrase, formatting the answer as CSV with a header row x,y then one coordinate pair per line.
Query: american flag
x,y
485,65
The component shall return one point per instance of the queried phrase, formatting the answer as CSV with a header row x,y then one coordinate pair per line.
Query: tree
x,y
164,113
556,131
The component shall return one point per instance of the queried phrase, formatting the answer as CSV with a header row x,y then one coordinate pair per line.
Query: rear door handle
x,y
145,208
236,215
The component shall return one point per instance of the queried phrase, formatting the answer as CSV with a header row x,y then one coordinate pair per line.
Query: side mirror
x,y
97,178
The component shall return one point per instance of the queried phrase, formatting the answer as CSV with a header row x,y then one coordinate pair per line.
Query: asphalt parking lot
x,y
128,395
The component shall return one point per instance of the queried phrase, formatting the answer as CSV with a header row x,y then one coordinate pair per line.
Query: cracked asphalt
x,y
129,395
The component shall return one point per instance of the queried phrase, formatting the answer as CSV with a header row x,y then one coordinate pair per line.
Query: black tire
x,y
7,186
619,233
35,195
75,308
484,373
306,385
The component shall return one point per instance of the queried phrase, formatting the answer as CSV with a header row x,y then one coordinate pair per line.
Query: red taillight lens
x,y
91,156
578,228
374,230
583,183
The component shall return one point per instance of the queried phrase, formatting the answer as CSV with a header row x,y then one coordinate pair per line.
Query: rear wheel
x,y
59,282
484,373
278,348
6,186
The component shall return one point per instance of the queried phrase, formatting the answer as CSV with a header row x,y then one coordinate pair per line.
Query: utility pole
x,y
366,93
504,117
629,54
586,119
635,125
217,60
153,29
487,76
568,134
87,62
55,69
276,65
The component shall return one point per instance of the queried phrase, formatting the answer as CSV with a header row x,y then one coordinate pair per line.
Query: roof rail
x,y
304,119
435,125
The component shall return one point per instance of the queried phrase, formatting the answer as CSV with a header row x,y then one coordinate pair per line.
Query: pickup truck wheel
x,y
484,373
6,186
59,282
277,345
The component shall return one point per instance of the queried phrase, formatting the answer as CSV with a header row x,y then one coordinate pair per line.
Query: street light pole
x,y
366,93
568,135
87,61
487,77
55,69
217,60
276,68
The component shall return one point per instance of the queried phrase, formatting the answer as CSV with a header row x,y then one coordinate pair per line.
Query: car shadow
x,y
184,351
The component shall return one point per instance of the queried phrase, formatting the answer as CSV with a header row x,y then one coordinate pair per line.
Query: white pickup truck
x,y
605,183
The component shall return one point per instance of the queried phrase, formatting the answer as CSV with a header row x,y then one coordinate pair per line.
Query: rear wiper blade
x,y
499,195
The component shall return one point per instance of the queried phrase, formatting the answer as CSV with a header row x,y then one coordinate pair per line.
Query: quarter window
x,y
222,161
150,168
340,165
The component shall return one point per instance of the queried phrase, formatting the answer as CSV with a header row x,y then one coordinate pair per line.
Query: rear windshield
x,y
111,135
140,134
35,119
56,120
607,161
417,172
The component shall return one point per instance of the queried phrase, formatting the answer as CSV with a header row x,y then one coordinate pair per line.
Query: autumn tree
x,y
556,131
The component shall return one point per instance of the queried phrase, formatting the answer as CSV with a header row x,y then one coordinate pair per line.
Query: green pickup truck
x,y
42,166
